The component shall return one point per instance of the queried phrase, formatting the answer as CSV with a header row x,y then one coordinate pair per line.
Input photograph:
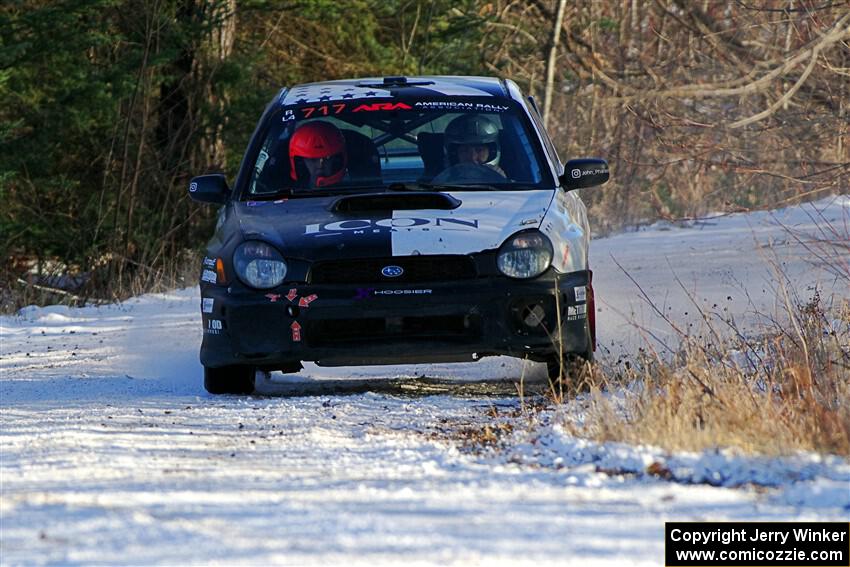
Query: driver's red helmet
x,y
318,140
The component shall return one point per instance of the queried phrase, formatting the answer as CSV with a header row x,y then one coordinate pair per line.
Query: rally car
x,y
396,220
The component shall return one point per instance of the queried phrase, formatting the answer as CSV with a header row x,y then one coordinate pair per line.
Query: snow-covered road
x,y
112,453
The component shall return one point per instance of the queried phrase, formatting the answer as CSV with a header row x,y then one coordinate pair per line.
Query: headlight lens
x,y
525,255
259,265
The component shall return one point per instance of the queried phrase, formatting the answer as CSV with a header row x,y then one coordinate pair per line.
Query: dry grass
x,y
99,285
782,389
785,391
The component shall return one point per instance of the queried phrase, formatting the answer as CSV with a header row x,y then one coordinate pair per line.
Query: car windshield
x,y
360,144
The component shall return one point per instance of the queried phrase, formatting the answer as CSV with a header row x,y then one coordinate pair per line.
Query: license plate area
x,y
433,327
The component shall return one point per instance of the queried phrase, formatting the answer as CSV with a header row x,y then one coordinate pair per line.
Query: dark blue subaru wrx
x,y
396,220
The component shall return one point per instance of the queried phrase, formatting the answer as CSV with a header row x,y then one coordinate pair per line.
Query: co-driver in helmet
x,y
317,154
472,140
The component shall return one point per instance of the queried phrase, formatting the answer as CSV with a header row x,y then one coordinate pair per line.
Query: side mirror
x,y
584,172
209,189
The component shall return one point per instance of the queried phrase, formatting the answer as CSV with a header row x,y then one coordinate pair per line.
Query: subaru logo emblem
x,y
392,271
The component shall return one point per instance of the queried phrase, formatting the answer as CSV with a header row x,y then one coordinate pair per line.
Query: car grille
x,y
416,269
337,332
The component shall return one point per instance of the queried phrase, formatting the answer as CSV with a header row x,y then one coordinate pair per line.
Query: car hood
x,y
316,229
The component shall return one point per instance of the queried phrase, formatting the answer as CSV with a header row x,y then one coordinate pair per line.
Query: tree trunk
x,y
190,125
550,64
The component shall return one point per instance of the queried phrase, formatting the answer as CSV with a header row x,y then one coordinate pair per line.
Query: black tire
x,y
229,380
568,368
573,363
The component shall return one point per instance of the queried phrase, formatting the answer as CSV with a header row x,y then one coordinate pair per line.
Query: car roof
x,y
396,86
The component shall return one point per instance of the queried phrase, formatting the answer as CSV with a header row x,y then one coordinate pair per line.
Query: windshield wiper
x,y
459,187
423,186
298,192
282,194
407,187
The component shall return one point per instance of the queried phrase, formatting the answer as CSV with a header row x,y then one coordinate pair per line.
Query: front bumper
x,y
336,325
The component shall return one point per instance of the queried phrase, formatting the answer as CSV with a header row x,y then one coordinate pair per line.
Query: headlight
x,y
259,265
525,255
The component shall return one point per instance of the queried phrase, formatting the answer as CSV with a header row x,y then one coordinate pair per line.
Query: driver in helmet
x,y
473,139
317,154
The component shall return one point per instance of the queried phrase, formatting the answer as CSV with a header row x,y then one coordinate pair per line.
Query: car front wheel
x,y
229,379
570,367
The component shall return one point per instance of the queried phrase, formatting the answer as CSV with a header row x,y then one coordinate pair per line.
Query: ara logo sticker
x,y
295,327
209,276
382,106
273,297
581,293
306,301
193,186
392,271
293,293
207,304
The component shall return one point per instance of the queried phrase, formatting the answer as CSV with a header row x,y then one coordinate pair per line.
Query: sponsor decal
x,y
458,105
214,327
581,293
296,331
193,186
362,226
209,262
402,292
273,297
382,106
293,293
392,271
367,292
576,312
207,304
306,301
209,276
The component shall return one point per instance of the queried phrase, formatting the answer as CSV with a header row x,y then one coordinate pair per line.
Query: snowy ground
x,y
112,453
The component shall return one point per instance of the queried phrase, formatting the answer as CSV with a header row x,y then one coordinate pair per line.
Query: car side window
x,y
547,141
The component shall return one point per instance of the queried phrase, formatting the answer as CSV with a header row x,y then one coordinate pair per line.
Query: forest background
x,y
109,107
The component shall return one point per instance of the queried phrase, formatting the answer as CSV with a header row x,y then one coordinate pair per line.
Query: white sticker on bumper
x,y
581,293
